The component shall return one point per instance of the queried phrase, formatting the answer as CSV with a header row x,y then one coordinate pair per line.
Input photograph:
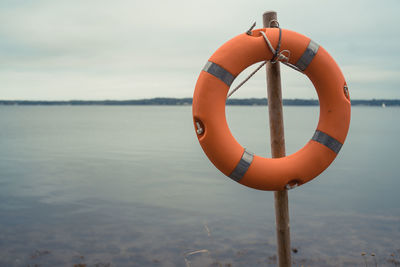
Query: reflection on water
x,y
130,186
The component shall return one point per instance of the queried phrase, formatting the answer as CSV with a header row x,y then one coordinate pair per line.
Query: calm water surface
x,y
130,186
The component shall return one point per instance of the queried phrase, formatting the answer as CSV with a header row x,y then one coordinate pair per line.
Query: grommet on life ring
x,y
212,129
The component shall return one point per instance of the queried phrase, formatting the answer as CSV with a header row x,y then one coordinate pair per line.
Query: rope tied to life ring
x,y
277,55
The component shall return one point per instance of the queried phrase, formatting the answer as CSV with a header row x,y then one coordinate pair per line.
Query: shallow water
x,y
130,186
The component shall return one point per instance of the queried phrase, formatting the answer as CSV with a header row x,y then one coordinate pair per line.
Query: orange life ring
x,y
212,129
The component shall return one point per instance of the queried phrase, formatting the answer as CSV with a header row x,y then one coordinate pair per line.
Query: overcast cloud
x,y
97,49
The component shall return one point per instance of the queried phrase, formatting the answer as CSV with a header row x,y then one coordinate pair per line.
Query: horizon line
x,y
186,98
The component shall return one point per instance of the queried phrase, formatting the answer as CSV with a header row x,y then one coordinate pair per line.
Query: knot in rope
x,y
277,55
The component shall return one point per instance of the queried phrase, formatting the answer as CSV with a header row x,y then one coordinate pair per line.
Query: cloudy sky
x,y
97,49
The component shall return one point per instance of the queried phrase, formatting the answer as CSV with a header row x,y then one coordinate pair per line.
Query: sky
x,y
128,49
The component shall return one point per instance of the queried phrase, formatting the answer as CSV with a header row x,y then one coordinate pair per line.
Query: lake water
x,y
130,186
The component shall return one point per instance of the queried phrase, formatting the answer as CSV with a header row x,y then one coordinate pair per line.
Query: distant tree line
x,y
188,101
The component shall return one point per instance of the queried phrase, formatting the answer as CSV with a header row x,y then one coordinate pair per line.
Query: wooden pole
x,y
278,148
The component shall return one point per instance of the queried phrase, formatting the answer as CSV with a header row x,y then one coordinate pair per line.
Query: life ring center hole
x,y
247,113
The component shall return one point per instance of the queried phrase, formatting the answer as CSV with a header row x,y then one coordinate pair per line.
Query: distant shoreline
x,y
188,101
